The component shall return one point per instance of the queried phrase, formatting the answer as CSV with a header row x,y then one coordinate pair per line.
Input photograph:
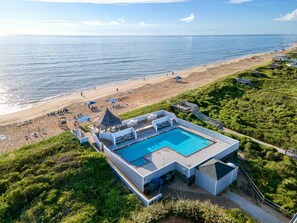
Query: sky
x,y
148,17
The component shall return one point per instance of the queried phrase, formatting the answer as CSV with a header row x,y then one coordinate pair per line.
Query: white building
x,y
141,166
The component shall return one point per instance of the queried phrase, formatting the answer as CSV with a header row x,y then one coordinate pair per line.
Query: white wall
x,y
226,180
97,141
182,169
80,135
136,178
227,151
159,172
205,181
171,115
106,135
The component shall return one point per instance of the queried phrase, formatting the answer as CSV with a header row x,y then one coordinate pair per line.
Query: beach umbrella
x,y
177,78
90,102
112,100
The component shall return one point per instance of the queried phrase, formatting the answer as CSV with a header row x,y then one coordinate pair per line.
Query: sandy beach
x,y
138,92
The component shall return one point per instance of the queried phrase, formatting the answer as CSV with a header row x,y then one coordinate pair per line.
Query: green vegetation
x,y
273,173
57,180
194,211
267,110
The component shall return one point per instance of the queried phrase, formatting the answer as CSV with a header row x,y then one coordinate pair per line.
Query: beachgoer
x,y
94,87
144,78
117,90
172,73
81,93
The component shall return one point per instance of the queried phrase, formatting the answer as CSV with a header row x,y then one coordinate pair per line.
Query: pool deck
x,y
165,156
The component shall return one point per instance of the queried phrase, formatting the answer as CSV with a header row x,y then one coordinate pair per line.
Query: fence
x,y
261,196
294,219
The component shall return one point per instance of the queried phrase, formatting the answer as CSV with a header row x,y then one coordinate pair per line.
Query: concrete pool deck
x,y
166,156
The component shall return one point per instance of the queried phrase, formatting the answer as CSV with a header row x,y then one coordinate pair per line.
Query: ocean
x,y
38,68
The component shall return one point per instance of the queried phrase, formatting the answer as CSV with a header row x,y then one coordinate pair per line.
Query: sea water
x,y
36,68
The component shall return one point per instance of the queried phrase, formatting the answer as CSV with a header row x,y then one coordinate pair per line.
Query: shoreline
x,y
153,89
57,102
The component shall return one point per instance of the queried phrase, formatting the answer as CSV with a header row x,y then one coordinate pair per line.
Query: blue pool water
x,y
179,140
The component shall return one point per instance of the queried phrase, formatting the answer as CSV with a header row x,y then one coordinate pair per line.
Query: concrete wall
x,y
97,141
159,172
205,181
227,151
131,188
80,135
135,177
106,135
170,115
226,180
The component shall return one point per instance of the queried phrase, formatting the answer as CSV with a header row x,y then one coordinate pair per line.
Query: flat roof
x,y
165,155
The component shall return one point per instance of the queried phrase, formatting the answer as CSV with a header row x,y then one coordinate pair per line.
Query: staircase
x,y
207,119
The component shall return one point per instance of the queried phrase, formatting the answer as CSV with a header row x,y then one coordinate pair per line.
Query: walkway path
x,y
255,211
280,150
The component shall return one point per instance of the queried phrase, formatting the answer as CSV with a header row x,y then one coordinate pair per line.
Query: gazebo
x,y
110,121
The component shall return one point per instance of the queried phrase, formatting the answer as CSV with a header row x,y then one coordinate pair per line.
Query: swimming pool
x,y
179,140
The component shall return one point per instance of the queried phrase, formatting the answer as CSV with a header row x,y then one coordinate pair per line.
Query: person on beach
x,y
144,78
117,90
94,87
172,73
81,93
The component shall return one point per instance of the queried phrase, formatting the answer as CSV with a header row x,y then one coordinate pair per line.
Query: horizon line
x,y
149,35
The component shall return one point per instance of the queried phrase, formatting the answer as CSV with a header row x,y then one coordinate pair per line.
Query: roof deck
x,y
165,155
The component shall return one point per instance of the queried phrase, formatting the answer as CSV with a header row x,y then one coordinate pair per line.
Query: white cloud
x,y
292,16
113,1
238,1
147,24
104,23
191,18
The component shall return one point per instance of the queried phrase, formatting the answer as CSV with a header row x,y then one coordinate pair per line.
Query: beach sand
x,y
142,92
